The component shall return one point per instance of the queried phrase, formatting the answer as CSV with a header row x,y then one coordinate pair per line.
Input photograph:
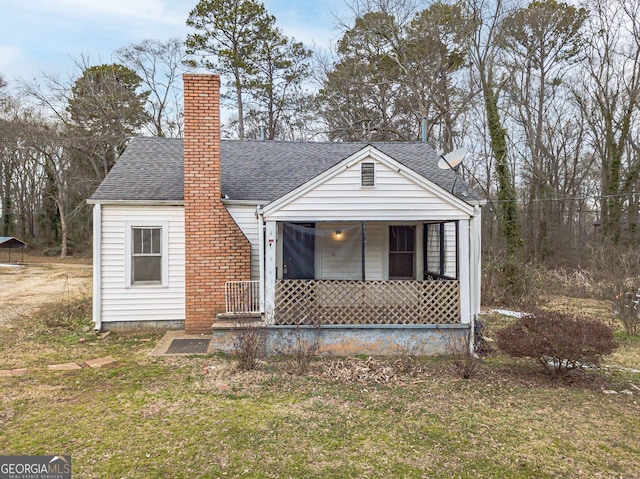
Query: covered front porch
x,y
359,274
371,287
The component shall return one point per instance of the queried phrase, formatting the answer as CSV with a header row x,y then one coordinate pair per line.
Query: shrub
x,y
464,360
617,274
628,312
560,342
248,345
70,315
299,348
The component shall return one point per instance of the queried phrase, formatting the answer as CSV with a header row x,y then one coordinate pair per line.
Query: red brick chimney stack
x,y
216,251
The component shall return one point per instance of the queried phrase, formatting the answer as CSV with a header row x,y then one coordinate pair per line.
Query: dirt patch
x,y
25,287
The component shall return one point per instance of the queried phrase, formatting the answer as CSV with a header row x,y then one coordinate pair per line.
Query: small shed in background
x,y
10,243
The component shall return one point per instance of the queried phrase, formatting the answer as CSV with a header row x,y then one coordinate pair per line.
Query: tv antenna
x,y
452,161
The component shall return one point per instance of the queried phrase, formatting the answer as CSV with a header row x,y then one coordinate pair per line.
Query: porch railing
x,y
367,302
242,296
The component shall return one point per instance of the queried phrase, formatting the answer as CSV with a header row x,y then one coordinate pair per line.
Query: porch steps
x,y
237,320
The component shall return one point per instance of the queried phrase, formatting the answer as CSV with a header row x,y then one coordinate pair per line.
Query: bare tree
x,y
21,175
538,45
88,123
159,64
608,93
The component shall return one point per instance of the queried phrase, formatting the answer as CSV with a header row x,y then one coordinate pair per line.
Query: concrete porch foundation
x,y
341,340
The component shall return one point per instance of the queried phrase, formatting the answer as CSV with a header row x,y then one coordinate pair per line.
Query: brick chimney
x,y
216,250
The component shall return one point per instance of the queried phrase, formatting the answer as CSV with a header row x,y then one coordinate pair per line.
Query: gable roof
x,y
151,169
370,153
11,242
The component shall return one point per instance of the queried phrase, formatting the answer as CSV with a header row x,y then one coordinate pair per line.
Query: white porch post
x,y
419,249
465,283
474,232
271,248
261,254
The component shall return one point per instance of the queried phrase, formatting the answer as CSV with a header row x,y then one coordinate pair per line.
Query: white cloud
x,y
9,55
145,11
48,35
308,21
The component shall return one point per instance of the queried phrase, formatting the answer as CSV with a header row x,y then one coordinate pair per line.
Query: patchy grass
x,y
628,355
199,416
61,332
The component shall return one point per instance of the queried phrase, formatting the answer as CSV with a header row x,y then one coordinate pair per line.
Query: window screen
x,y
441,250
146,251
401,252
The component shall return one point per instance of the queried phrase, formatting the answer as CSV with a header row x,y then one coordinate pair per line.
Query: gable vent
x,y
367,171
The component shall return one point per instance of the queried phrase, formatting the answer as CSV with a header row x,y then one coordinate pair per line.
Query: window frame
x,y
391,252
443,254
130,226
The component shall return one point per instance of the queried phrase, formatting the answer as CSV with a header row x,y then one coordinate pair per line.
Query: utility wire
x,y
575,198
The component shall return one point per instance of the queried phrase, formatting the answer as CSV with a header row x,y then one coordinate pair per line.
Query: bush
x,y
617,273
69,315
628,311
248,345
464,360
300,347
560,342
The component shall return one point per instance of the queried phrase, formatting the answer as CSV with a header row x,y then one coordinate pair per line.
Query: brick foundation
x,y
216,250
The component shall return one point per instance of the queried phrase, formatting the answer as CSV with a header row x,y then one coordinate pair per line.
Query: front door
x,y
298,251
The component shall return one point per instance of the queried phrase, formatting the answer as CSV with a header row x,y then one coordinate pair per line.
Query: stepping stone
x,y
100,362
64,367
13,372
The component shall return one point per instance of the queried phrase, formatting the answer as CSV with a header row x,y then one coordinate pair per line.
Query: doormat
x,y
188,346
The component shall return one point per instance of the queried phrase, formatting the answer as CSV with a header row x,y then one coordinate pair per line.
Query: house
x,y
368,243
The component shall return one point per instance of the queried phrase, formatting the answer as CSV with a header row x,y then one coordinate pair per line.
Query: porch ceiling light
x,y
338,234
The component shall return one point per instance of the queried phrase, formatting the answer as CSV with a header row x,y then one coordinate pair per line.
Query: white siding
x,y
376,251
341,198
245,217
121,302
339,257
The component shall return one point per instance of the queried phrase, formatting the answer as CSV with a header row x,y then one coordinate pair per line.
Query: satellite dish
x,y
452,160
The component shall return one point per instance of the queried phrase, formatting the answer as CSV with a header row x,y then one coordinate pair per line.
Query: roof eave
x,y
92,201
229,202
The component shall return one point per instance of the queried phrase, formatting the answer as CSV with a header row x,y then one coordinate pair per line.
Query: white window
x,y
401,252
146,254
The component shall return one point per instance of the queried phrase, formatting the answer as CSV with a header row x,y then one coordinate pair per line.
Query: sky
x,y
51,36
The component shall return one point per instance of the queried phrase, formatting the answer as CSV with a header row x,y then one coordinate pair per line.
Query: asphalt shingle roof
x,y
151,169
11,242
